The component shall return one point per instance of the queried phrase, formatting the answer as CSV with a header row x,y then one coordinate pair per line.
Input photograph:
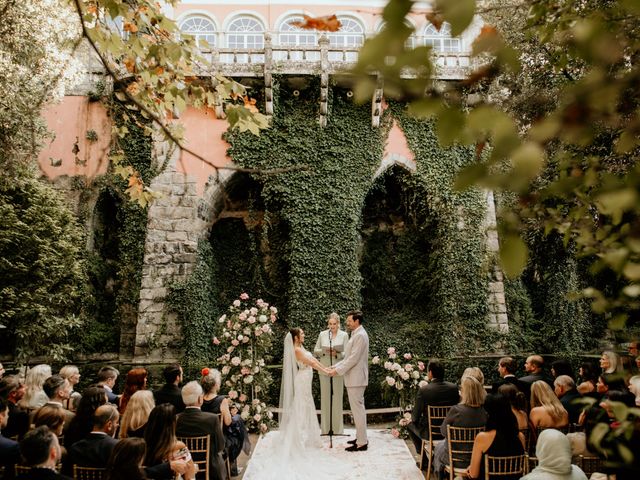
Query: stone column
x,y
498,318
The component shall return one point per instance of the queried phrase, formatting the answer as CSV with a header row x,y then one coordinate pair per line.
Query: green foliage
x,y
43,276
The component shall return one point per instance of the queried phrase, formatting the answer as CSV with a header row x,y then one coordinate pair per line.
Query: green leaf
x,y
459,13
527,161
513,255
632,271
449,125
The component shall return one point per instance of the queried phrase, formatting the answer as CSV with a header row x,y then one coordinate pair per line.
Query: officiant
x,y
329,357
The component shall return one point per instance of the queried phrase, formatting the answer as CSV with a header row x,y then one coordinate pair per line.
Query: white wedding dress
x,y
296,450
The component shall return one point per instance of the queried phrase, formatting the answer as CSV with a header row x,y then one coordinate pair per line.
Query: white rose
x,y
388,365
222,318
244,415
262,318
248,379
226,369
375,360
236,303
415,374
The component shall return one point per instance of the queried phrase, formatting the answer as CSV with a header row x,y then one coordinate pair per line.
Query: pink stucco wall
x,y
69,121
397,144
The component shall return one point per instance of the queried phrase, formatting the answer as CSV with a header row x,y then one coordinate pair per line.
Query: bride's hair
x,y
295,333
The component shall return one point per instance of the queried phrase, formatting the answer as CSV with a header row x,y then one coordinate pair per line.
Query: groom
x,y
355,368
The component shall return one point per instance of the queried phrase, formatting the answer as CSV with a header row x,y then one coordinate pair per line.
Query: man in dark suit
x,y
193,422
534,367
107,377
436,392
41,451
11,391
170,391
58,389
565,389
95,449
9,449
507,369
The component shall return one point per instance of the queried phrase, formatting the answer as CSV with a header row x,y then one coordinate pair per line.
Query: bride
x,y
296,451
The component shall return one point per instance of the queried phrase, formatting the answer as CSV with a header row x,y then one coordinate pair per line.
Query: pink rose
x,y
235,361
258,332
242,398
395,432
245,371
257,417
390,381
230,349
421,366
244,296
216,341
407,356
253,311
226,369
235,342
245,340
408,367
265,328
273,318
403,422
233,394
242,316
236,303
375,360
391,351
251,319
263,428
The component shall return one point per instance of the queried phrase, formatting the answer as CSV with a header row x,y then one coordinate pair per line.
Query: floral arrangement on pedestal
x,y
405,374
246,337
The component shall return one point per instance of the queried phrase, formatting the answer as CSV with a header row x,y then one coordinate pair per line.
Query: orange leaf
x,y
329,23
250,104
130,64
436,19
488,31
130,27
159,70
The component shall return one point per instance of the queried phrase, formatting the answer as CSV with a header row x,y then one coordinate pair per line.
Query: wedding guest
x,y
95,449
107,377
565,389
40,450
12,390
501,437
474,372
170,391
588,377
34,396
136,380
534,367
134,420
9,450
52,416
126,460
338,339
435,393
518,404
507,370
468,413
610,362
610,386
553,451
72,374
235,433
634,387
162,445
82,424
546,409
561,367
58,390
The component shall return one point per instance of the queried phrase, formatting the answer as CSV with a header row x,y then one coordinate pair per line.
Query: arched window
x,y
201,28
441,40
351,33
245,32
291,35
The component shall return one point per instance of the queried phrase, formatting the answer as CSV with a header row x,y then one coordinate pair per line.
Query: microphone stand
x,y
330,433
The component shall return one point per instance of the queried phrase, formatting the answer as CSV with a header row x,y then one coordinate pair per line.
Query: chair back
x,y
88,473
590,464
495,467
460,441
531,463
199,449
21,469
435,417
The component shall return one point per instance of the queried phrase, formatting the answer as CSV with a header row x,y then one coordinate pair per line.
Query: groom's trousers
x,y
356,402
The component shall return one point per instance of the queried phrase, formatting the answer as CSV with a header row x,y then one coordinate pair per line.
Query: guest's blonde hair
x,y
68,371
334,315
33,382
543,396
472,392
634,387
137,413
615,365
474,372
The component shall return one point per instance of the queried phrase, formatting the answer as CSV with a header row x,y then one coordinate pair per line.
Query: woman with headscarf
x,y
553,451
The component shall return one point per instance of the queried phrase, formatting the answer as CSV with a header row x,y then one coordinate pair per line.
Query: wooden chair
x,y
21,469
502,466
435,417
227,462
199,448
590,464
87,473
531,463
527,439
460,441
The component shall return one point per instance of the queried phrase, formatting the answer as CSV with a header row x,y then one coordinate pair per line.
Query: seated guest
x,y
136,380
468,413
58,390
609,382
135,418
107,377
518,404
588,377
435,393
561,367
72,374
534,368
634,388
170,391
474,372
193,422
501,437
34,396
52,416
9,449
546,409
610,362
11,391
507,371
82,423
163,448
126,460
41,451
235,433
553,451
565,389
95,449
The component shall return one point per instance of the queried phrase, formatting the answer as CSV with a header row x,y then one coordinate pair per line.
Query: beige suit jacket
x,y
355,366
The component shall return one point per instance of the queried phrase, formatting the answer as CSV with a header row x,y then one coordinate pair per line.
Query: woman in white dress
x,y
336,339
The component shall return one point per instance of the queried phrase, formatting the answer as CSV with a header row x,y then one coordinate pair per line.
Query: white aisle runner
x,y
387,458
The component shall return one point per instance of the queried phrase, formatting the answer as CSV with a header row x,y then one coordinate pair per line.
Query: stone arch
x,y
395,159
